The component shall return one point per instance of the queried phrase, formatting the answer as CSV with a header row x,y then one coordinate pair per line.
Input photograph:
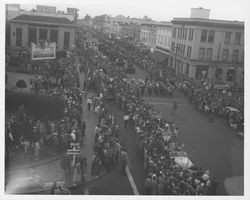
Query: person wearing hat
x,y
124,160
126,119
89,103
73,136
205,176
148,185
161,183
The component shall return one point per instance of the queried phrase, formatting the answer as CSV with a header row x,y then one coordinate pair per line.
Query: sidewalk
x,y
16,162
91,121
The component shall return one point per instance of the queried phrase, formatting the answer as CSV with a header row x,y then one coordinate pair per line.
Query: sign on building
x,y
43,50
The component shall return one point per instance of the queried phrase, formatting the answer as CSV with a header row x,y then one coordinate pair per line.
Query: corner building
x,y
208,49
27,29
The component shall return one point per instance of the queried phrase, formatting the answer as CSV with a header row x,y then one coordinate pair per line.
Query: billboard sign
x,y
43,50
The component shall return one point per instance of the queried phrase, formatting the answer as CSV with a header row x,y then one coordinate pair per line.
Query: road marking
x,y
132,182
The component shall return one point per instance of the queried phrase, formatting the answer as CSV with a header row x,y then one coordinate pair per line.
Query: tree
x,y
87,18
21,84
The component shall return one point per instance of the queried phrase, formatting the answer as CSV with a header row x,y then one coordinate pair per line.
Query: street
x,y
203,142
147,101
214,146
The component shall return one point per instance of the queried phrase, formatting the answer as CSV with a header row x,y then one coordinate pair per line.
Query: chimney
x,y
200,13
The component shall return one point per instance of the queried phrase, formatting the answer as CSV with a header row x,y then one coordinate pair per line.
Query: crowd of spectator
x,y
225,103
38,138
157,138
108,150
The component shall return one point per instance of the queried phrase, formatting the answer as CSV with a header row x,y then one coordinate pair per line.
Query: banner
x,y
43,50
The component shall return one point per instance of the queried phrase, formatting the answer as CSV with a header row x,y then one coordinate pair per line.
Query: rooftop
x,y
208,22
43,19
153,23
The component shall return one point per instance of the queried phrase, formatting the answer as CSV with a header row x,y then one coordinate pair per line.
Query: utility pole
x,y
217,61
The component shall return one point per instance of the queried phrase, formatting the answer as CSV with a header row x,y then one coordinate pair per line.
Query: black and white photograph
x,y
117,98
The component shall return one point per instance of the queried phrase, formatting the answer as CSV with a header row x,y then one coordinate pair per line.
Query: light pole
x,y
217,61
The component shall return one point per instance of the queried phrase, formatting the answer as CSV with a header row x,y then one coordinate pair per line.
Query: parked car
x,y
221,86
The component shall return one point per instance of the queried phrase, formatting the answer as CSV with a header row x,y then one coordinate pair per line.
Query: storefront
x,y
28,29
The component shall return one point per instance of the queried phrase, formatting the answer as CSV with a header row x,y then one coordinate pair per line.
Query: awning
x,y
159,56
38,19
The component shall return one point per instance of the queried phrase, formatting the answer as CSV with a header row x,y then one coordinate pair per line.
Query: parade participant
x,y
89,103
126,119
83,130
175,106
124,161
66,165
148,185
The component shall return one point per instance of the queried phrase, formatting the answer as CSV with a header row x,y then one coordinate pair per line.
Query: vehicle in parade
x,y
130,68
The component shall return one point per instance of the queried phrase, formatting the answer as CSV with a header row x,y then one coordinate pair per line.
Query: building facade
x,y
27,29
208,49
157,37
148,35
163,37
119,19
14,10
131,30
112,28
100,22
